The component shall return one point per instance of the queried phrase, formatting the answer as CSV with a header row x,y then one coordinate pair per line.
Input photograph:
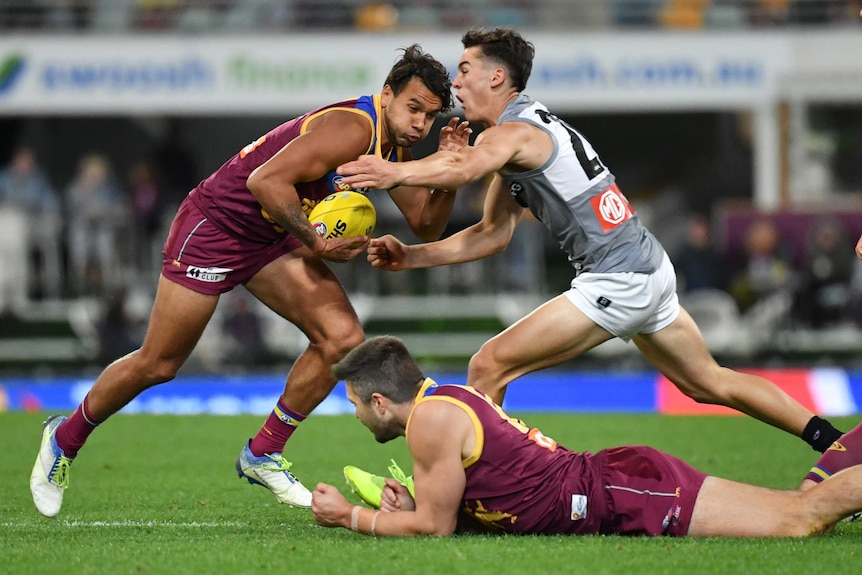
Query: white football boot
x,y
272,471
50,476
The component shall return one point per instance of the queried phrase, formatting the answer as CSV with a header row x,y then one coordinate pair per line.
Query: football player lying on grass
x,y
470,457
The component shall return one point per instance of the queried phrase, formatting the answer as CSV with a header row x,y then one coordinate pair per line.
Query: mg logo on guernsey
x,y
612,208
210,275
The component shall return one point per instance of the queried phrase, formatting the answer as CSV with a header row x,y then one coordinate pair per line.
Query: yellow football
x,y
343,215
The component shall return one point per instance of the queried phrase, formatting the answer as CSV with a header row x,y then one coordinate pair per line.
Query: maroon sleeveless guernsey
x,y
518,480
226,201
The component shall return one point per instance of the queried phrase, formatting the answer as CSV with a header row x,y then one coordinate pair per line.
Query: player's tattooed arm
x,y
290,216
328,141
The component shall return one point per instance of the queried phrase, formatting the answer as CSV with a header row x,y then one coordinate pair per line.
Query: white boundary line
x,y
134,524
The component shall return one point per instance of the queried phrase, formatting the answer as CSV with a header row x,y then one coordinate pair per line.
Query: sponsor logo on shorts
x,y
579,507
672,517
603,301
210,275
836,446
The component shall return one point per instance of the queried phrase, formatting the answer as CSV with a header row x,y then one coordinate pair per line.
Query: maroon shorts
x,y
203,257
648,492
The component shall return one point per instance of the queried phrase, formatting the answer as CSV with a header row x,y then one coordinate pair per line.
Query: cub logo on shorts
x,y
612,208
209,275
579,507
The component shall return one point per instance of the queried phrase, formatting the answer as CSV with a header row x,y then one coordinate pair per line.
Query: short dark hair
x,y
381,365
506,47
433,74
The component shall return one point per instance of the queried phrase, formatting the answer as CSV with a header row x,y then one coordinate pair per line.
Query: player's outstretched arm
x,y
491,235
446,169
427,210
387,253
437,435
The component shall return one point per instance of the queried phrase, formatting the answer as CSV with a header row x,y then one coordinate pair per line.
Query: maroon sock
x,y
844,453
279,426
73,433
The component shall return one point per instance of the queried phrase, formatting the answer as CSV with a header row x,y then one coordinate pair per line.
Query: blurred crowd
x,y
90,235
101,232
98,238
807,261
278,15
98,234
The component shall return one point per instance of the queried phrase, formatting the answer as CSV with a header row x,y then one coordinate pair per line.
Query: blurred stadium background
x,y
734,127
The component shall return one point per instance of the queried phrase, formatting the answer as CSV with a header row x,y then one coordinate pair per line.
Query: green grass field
x,y
158,494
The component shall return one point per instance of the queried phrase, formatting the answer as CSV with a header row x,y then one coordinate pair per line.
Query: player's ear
x,y
498,76
386,95
379,403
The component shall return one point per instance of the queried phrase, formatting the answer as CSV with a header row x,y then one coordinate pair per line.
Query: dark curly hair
x,y
433,74
506,47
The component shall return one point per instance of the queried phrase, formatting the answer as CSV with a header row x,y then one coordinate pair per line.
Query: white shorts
x,y
627,304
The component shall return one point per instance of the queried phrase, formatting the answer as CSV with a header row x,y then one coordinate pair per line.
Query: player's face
x,y
472,84
408,117
369,414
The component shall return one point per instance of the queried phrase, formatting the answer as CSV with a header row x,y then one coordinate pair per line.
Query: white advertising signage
x,y
264,75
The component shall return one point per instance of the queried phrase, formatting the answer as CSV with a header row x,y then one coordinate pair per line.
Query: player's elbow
x,y
458,171
254,182
500,244
427,227
444,529
435,526
259,181
428,231
495,237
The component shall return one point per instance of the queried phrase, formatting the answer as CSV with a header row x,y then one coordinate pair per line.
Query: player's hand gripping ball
x,y
343,215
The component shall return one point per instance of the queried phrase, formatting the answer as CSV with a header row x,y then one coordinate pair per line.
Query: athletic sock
x,y
843,453
279,426
820,434
73,433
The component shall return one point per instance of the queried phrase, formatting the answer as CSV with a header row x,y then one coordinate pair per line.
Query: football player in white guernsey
x,y
624,286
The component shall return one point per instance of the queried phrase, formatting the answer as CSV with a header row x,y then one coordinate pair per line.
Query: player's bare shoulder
x,y
345,128
527,146
434,421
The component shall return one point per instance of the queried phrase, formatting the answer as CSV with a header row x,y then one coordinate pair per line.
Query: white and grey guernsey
x,y
576,198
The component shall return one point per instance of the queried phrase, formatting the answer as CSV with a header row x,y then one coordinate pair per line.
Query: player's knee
x,y
482,371
164,371
805,526
340,342
703,390
155,370
707,383
701,394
